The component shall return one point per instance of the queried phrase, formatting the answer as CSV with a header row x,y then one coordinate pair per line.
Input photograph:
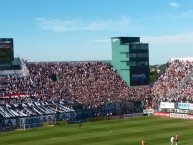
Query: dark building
x,y
130,58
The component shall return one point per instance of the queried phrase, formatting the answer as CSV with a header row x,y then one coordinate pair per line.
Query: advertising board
x,y
183,105
148,111
139,76
190,106
167,105
31,122
177,115
6,50
163,114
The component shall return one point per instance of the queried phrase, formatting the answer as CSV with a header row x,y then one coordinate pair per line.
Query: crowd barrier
x,y
133,115
8,128
38,121
76,121
102,118
174,115
115,117
97,119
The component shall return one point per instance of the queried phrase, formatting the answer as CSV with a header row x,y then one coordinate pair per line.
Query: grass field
x,y
155,130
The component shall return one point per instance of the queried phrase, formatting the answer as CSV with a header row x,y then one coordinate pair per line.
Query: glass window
x,y
127,63
144,46
139,46
131,55
133,46
142,54
133,63
142,63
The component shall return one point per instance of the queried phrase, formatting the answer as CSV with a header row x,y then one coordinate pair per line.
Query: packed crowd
x,y
171,85
88,83
168,82
95,83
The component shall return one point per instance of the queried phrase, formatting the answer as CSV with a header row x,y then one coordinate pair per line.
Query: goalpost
x,y
31,122
22,123
51,120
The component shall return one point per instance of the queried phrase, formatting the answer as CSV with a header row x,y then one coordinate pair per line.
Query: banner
x,y
9,122
15,95
176,115
183,111
148,111
8,128
183,106
190,106
167,105
139,76
163,114
6,51
191,117
31,122
173,115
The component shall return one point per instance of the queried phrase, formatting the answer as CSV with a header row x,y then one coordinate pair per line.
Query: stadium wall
x,y
18,67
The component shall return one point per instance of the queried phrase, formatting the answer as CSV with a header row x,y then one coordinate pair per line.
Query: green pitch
x,y
155,131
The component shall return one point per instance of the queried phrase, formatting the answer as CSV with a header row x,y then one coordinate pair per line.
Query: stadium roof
x,y
127,39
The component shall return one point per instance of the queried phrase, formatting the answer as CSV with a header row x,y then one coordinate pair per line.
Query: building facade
x,y
130,58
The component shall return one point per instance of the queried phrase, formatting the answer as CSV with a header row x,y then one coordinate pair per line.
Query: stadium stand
x,y
89,89
78,84
174,84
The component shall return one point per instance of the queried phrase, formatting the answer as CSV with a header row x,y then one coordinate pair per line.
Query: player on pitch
x,y
172,140
143,142
176,139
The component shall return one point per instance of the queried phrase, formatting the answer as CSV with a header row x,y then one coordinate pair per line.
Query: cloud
x,y
183,38
58,25
174,5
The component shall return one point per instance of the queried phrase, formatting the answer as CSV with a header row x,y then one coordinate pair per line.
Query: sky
x,y
81,30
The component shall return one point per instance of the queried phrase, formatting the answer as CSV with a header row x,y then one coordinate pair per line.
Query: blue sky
x,y
72,30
